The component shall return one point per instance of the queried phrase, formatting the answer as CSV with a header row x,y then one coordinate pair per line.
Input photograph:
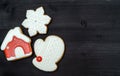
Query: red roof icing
x,y
16,42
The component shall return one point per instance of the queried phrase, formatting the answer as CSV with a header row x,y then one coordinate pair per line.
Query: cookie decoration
x,y
48,52
16,45
36,21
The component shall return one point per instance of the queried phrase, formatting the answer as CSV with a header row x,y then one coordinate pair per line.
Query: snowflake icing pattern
x,y
36,21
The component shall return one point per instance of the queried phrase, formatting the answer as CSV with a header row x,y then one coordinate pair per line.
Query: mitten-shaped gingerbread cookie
x,y
48,52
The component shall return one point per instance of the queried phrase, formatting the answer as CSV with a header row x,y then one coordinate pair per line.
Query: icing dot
x,y
7,47
39,58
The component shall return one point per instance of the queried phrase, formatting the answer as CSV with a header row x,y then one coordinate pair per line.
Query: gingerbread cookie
x,y
36,21
16,45
48,53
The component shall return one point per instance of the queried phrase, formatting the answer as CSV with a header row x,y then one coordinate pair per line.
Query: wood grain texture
x,y
90,29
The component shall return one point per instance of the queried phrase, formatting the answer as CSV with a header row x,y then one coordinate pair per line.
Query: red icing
x,y
16,42
39,58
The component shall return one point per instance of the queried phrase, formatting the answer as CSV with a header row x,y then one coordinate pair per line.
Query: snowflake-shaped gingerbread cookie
x,y
36,21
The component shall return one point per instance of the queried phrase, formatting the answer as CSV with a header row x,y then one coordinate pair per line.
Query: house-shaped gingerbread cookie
x,y
16,45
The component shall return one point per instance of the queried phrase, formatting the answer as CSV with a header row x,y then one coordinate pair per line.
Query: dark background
x,y
90,29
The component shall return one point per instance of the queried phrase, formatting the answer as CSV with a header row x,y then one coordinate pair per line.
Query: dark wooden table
x,y
90,29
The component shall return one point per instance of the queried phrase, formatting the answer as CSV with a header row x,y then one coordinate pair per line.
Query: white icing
x,y
14,32
51,50
36,21
19,52
15,58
